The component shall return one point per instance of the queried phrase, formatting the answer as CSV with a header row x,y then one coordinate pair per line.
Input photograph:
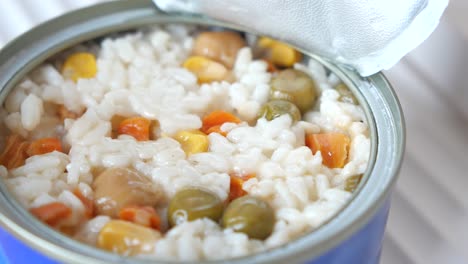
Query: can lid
x,y
369,36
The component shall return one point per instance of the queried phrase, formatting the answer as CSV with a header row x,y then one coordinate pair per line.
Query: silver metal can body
x,y
353,236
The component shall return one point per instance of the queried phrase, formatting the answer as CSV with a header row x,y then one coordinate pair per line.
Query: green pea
x,y
346,96
296,87
251,216
352,183
194,203
276,108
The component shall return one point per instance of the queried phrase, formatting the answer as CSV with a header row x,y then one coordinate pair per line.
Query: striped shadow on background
x,y
429,215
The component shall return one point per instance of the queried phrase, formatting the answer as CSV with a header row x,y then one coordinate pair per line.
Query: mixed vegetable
x,y
277,108
296,87
194,203
251,216
17,150
280,54
333,147
116,188
131,200
127,238
81,65
137,127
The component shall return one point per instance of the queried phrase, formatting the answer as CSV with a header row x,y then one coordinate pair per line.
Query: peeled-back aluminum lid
x,y
369,36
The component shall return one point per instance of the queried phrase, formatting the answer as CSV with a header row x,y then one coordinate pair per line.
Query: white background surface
x,y
429,216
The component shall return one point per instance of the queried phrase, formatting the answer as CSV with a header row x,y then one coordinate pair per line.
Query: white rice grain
x,y
89,232
31,111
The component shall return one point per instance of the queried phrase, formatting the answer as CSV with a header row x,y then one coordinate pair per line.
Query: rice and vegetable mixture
x,y
179,143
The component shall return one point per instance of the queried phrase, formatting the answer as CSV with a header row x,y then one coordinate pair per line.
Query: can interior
x,y
373,93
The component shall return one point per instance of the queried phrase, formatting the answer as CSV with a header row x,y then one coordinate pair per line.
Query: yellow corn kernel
x,y
127,238
193,141
205,69
80,65
284,55
265,42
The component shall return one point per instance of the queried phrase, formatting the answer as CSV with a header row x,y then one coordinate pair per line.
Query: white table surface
x,y
428,221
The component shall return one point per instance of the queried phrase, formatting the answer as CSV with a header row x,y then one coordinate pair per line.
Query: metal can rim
x,y
378,99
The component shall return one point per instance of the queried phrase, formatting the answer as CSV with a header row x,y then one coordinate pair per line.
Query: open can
x,y
353,235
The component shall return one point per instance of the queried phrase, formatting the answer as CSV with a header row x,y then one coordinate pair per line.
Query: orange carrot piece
x,y
44,145
334,148
216,129
235,186
270,66
15,152
115,123
51,213
137,127
217,118
141,215
68,230
88,203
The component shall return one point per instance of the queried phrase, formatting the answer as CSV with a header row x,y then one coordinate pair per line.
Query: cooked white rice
x,y
140,74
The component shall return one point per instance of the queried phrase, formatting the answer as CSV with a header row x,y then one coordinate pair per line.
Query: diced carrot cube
x,y
333,147
216,129
141,215
235,186
217,118
15,152
43,146
88,203
51,213
137,127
